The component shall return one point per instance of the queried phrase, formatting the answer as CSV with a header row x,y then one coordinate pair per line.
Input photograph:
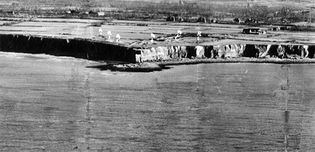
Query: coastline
x,y
239,60
164,65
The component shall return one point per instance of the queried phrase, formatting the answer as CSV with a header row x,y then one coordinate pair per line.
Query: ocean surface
x,y
59,104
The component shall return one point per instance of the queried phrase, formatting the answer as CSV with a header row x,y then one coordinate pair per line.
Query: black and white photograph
x,y
157,75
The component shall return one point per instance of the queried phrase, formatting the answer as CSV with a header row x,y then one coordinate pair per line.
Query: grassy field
x,y
133,34
268,11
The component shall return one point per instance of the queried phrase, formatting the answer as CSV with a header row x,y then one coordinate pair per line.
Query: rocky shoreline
x,y
159,66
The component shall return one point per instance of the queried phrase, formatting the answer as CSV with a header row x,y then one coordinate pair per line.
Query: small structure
x,y
285,27
171,19
117,37
238,20
109,34
251,31
100,13
213,20
276,28
198,36
179,34
100,32
250,21
152,37
180,19
175,19
202,20
72,11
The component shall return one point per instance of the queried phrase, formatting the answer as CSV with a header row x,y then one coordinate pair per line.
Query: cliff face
x,y
161,53
79,48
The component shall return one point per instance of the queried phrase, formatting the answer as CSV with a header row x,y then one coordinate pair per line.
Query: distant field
x,y
110,3
275,12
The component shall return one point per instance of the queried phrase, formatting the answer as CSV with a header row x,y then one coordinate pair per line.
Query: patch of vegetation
x,y
181,11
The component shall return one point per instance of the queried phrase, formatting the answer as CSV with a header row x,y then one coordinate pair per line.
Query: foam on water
x,y
42,57
10,54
